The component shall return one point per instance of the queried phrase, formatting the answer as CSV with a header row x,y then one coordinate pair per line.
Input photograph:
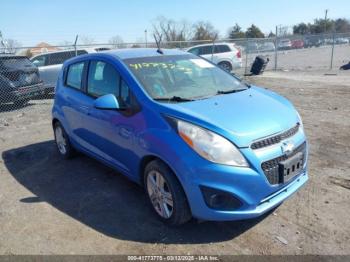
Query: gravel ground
x,y
306,59
51,206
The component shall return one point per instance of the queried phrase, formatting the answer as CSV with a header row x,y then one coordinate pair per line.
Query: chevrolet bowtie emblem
x,y
287,147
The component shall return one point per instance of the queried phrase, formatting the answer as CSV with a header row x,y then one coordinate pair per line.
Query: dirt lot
x,y
304,59
51,206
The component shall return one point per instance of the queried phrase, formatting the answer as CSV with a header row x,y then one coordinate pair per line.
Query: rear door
x,y
206,52
74,100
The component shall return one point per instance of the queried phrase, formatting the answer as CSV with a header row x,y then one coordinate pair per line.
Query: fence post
x,y
246,56
332,50
276,48
75,45
212,50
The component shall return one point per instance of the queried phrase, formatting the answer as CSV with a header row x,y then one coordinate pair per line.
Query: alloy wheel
x,y
159,194
60,140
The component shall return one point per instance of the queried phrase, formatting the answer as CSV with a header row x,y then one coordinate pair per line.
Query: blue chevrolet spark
x,y
202,142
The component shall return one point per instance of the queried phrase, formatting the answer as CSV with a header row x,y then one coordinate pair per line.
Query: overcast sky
x,y
54,21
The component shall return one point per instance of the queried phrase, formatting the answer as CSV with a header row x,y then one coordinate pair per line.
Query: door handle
x,y
85,109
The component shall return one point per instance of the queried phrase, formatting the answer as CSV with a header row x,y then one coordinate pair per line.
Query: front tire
x,y
64,147
165,194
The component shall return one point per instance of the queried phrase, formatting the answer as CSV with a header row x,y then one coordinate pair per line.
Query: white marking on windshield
x,y
202,63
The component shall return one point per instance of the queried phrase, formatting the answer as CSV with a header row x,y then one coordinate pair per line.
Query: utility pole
x,y
325,20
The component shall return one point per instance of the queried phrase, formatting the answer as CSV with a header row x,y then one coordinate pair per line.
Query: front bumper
x,y
250,210
248,185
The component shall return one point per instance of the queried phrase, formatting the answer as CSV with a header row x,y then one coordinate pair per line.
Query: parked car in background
x,y
341,41
19,80
267,47
284,44
297,44
50,64
252,46
200,141
225,55
312,41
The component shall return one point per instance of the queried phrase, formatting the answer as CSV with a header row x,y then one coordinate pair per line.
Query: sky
x,y
55,21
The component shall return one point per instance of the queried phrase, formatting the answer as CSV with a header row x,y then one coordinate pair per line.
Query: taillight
x,y
239,54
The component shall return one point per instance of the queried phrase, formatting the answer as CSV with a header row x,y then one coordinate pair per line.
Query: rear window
x,y
74,75
15,62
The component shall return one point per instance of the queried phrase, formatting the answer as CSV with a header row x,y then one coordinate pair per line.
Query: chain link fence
x,y
28,74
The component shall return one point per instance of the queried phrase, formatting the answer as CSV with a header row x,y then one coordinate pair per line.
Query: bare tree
x,y
11,45
116,42
86,40
172,30
204,31
66,44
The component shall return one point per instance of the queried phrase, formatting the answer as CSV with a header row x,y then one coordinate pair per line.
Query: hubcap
x,y
159,193
226,67
60,140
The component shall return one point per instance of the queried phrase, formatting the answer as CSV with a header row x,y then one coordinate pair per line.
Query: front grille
x,y
275,139
271,167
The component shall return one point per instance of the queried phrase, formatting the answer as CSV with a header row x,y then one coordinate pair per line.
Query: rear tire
x,y
165,194
226,66
64,147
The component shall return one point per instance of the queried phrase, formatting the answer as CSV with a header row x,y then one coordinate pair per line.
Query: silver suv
x,y
225,55
50,65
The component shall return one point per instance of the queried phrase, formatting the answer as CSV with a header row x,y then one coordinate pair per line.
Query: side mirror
x,y
107,102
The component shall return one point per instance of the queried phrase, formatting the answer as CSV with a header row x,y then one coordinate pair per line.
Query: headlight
x,y
209,145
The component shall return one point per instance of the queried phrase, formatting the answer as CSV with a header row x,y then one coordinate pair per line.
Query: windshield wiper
x,y
221,92
173,99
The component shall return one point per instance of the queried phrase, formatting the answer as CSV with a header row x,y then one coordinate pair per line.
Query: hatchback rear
x,y
200,141
19,79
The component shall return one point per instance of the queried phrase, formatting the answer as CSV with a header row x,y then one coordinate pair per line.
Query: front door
x,y
110,134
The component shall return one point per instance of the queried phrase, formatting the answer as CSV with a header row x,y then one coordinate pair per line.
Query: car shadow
x,y
103,199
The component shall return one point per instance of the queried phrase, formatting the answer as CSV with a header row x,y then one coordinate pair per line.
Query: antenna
x,y
158,41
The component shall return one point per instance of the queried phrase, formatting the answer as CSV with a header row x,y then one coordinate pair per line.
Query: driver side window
x,y
40,60
104,79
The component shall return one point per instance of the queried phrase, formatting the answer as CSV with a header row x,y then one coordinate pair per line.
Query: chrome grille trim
x,y
275,139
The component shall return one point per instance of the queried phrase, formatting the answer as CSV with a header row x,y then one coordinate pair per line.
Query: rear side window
x,y
103,79
74,75
221,49
206,50
59,58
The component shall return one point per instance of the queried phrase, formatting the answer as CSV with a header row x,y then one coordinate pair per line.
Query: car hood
x,y
241,117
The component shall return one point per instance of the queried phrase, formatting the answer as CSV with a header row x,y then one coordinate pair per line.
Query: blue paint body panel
x,y
123,141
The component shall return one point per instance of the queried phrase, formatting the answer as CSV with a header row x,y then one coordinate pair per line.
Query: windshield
x,y
185,77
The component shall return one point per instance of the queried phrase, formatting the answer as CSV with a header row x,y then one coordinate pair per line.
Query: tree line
x,y
172,30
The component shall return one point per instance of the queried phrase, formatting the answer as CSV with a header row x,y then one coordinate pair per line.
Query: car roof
x,y
222,43
129,53
141,52
89,50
